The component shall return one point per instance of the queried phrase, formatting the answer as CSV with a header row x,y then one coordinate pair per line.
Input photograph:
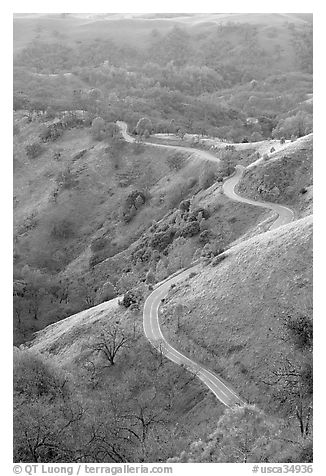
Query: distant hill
x,y
128,28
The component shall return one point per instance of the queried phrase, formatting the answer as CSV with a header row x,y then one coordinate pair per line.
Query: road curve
x,y
151,324
154,334
285,214
202,154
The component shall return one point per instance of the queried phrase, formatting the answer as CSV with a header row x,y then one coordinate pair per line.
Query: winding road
x,y
152,330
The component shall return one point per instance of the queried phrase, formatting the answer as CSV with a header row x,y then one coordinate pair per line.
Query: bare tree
x,y
111,343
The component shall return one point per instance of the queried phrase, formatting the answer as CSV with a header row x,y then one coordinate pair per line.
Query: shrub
x,y
184,205
129,298
105,293
176,161
51,133
161,240
204,237
190,229
133,202
272,150
57,156
282,141
33,150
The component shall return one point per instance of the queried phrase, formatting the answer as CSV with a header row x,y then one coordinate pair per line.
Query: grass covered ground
x,y
235,316
285,176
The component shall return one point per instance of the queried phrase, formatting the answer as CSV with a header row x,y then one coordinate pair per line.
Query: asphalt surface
x,y
202,154
223,392
285,214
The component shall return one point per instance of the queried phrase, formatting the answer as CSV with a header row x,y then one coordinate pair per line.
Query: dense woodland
x,y
134,220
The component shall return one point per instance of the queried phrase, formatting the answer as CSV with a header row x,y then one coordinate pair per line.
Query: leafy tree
x,y
144,125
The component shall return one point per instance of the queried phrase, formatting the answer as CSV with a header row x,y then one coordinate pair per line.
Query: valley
x,y
163,238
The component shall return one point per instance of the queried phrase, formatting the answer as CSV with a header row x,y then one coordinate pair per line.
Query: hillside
x,y
142,144
76,226
136,409
245,339
284,176
242,331
236,329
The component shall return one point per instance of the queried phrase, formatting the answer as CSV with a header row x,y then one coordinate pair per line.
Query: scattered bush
x,y
33,150
272,150
176,161
204,237
57,156
184,205
190,229
134,202
161,240
129,298
51,133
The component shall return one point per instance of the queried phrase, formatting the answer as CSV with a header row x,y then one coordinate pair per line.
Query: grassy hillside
x,y
284,176
249,318
75,227
226,325
134,410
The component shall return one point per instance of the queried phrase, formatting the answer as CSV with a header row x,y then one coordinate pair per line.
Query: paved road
x,y
151,324
285,214
202,154
154,334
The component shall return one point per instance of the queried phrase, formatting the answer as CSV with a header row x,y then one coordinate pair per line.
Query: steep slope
x,y
235,316
285,176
